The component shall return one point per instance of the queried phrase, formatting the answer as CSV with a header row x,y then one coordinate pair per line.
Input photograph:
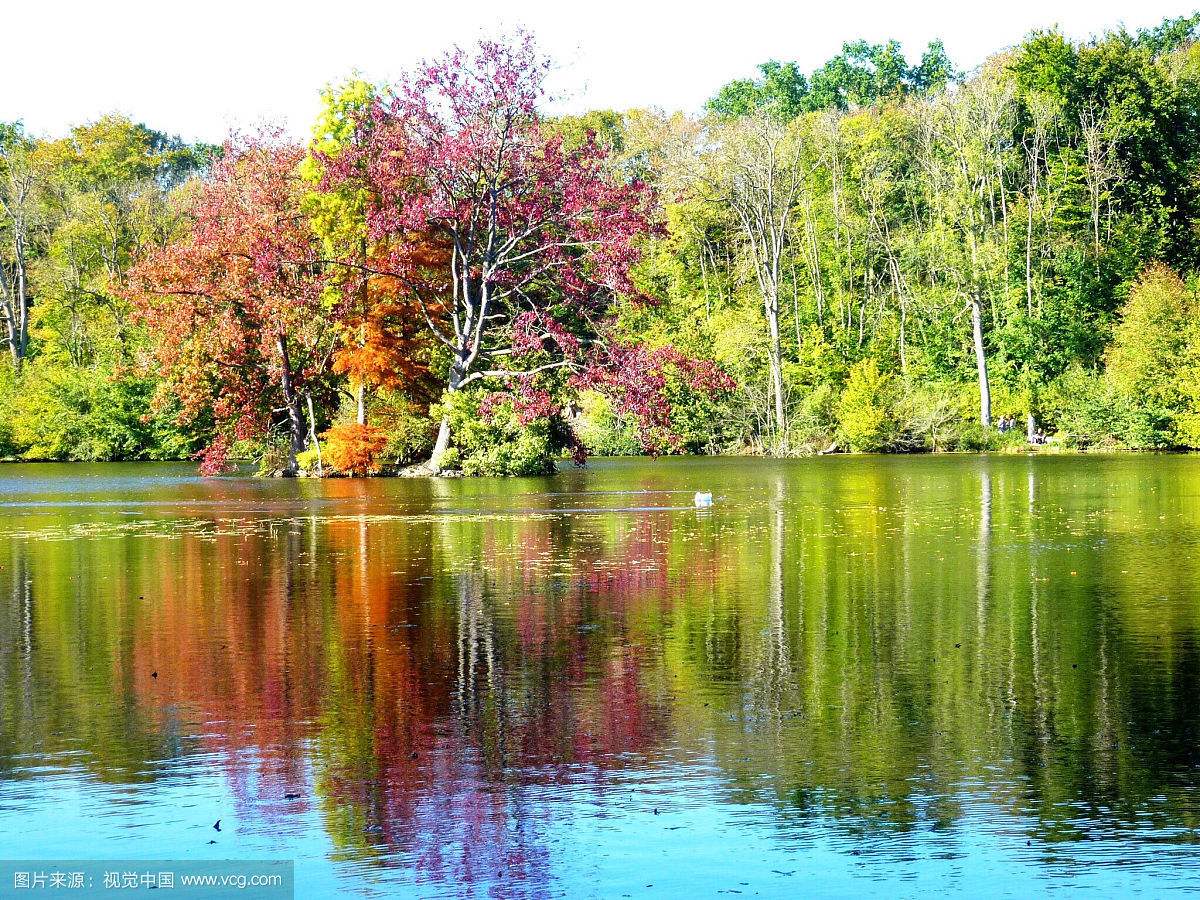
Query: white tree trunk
x,y
985,392
440,446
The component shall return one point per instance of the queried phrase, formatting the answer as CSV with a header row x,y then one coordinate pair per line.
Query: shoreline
x,y
413,470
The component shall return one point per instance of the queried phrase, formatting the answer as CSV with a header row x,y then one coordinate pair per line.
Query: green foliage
x,y
409,429
605,126
1151,338
1087,411
272,454
1041,188
309,461
8,399
496,443
602,431
866,409
702,423
91,201
782,92
861,75
82,415
1170,34
814,421
337,216
1152,362
937,415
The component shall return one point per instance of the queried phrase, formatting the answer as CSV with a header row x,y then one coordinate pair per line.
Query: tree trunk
x,y
297,432
442,444
985,393
22,312
775,357
1029,254
312,434
16,312
14,351
361,399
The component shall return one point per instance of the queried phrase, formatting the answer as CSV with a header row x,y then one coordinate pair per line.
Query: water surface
x,y
850,677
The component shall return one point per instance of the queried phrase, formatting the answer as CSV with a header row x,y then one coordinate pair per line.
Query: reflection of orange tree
x,y
440,768
397,770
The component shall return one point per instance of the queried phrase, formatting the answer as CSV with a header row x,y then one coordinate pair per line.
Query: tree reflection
x,y
864,645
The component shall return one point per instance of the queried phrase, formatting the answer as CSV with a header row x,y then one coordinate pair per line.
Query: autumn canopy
x,y
439,242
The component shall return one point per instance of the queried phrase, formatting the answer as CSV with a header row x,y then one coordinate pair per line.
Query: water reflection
x,y
990,665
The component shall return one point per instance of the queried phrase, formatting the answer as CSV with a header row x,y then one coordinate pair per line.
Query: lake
x,y
851,676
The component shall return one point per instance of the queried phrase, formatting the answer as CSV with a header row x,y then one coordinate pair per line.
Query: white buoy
x,y
703,499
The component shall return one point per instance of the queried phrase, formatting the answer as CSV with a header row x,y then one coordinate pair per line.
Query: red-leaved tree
x,y
541,237
243,331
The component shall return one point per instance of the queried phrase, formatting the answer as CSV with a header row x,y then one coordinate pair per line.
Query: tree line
x,y
873,256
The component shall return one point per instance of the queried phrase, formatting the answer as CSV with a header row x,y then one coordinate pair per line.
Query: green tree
x,y
866,410
861,75
1152,344
20,213
782,93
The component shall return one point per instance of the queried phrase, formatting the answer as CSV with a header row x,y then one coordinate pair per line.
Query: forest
x,y
444,277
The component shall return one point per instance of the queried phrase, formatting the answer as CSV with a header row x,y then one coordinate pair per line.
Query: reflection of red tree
x,y
216,640
625,721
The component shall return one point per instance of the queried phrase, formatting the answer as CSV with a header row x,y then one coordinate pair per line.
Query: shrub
x,y
452,459
8,442
703,421
354,449
814,420
1149,341
1150,366
1088,410
407,426
973,438
866,409
931,416
310,461
88,415
493,440
274,453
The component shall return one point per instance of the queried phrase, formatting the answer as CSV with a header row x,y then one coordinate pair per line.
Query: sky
x,y
200,69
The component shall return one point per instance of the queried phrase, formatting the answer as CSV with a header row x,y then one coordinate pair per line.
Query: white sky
x,y
199,68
